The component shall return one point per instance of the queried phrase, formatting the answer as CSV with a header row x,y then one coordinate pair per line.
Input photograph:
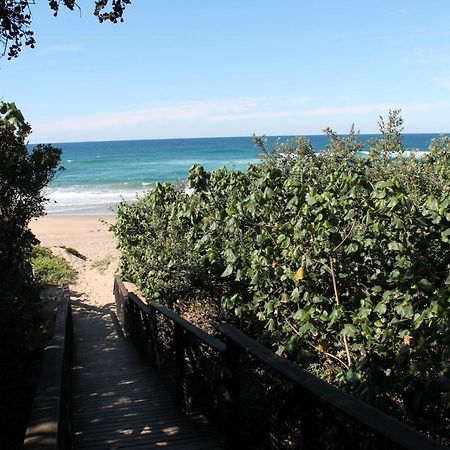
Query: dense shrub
x,y
50,269
340,262
23,175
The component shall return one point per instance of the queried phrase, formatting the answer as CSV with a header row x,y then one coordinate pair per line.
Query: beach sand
x,y
90,236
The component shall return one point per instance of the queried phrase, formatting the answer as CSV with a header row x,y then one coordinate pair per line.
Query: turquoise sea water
x,y
99,174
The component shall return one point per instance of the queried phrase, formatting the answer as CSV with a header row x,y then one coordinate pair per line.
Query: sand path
x,y
90,236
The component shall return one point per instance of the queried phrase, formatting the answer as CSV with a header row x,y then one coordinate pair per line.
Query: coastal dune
x,y
90,236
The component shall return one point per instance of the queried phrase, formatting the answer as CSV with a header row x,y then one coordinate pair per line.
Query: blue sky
x,y
194,68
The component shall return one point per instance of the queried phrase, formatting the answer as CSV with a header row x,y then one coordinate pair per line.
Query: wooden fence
x,y
188,359
256,399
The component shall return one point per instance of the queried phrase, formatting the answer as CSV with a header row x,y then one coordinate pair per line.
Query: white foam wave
x,y
414,153
88,201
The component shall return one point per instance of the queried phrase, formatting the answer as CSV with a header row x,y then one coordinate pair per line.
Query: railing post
x,y
126,305
232,397
180,363
147,335
154,338
141,333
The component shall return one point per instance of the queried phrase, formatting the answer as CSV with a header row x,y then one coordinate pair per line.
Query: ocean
x,y
98,175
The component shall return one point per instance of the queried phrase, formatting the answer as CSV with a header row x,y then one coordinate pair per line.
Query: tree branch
x,y
336,295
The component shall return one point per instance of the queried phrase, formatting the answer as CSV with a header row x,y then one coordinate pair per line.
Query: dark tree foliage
x,y
15,20
23,175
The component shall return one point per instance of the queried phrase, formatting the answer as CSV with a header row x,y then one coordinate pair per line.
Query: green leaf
x,y
230,256
305,328
380,309
426,285
228,271
349,330
395,246
351,248
299,314
269,307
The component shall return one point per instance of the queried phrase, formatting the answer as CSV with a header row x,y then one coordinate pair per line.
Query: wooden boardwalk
x,y
118,402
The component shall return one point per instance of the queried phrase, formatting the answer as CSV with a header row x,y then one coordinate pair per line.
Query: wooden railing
x,y
49,423
278,405
189,360
257,399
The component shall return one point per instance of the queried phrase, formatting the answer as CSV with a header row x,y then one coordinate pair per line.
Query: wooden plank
x,y
116,439
183,446
118,401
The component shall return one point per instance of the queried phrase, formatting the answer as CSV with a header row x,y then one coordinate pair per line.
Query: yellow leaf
x,y
300,274
322,347
407,340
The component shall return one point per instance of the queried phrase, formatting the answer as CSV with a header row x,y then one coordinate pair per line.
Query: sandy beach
x,y
90,236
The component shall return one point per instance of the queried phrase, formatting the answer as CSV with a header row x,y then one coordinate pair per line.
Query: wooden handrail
x,y
207,339
119,286
373,419
210,341
189,359
49,423
239,355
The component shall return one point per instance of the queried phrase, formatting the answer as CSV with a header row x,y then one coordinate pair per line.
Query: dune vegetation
x,y
338,261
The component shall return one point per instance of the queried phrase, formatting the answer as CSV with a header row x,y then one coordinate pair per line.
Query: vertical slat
x,y
232,398
155,338
180,365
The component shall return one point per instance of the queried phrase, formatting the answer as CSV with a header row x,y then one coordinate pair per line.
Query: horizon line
x,y
446,133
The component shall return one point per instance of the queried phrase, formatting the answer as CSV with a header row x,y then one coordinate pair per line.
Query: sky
x,y
206,68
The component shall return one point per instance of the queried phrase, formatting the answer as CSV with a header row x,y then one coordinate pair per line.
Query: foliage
x,y
51,269
340,262
23,175
16,17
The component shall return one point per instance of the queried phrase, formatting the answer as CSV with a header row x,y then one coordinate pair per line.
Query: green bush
x,y
23,175
339,262
51,269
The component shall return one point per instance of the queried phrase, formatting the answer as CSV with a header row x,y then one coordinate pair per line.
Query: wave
x,y
79,200
414,153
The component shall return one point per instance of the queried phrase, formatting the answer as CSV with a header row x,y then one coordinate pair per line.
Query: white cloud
x,y
185,111
62,48
327,111
218,116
